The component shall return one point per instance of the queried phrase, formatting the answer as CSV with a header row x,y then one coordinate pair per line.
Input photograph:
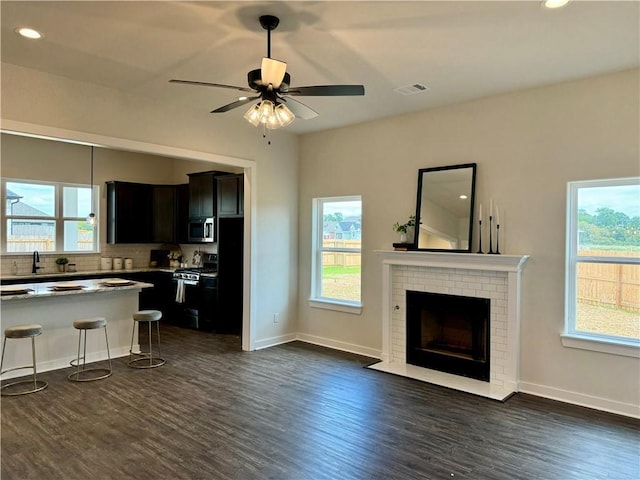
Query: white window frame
x,y
316,300
58,216
572,337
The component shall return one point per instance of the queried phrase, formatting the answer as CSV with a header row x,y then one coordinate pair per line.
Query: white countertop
x,y
46,289
71,275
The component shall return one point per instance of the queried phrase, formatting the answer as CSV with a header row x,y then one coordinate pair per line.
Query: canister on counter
x,y
128,263
117,263
106,263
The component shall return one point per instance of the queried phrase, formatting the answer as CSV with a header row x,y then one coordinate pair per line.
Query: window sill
x,y
626,349
336,305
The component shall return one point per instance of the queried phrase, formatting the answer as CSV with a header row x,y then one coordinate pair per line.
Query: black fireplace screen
x,y
449,333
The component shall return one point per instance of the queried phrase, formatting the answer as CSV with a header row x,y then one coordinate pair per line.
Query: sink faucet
x,y
36,261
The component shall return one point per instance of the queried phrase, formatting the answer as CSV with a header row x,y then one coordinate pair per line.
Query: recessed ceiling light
x,y
555,3
242,98
28,33
463,197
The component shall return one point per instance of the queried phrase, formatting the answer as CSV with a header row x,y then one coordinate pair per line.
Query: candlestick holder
x,y
480,237
497,252
490,236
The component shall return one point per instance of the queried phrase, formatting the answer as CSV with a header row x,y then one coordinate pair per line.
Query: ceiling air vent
x,y
411,89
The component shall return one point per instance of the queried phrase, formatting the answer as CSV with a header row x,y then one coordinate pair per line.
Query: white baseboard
x,y
337,345
273,341
597,403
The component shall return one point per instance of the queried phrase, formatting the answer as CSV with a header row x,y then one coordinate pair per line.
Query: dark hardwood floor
x,y
297,411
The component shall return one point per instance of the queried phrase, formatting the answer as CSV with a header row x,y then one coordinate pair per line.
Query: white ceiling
x,y
460,50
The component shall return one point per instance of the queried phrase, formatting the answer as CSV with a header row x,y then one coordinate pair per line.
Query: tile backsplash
x,y
139,253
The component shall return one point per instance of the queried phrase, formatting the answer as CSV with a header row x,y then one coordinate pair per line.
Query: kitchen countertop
x,y
71,275
44,289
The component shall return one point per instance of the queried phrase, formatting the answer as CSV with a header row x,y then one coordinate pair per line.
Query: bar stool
x,y
17,332
146,359
95,373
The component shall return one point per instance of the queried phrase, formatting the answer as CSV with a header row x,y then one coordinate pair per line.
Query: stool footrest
x,y
76,376
37,386
153,362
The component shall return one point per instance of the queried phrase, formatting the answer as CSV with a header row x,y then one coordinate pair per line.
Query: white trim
x,y
275,341
600,344
466,261
335,305
571,337
338,345
318,248
249,326
321,341
589,401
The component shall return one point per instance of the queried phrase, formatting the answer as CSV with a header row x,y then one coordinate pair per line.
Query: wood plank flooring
x,y
297,411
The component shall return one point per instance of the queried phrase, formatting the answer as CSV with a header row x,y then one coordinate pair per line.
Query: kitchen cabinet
x,y
129,217
143,213
182,213
230,189
202,198
163,228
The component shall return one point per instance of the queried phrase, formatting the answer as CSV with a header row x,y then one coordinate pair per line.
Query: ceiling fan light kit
x,y
272,84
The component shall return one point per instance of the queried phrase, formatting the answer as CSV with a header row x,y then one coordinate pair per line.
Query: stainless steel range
x,y
196,295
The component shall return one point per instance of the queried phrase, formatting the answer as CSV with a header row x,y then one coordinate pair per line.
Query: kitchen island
x,y
55,306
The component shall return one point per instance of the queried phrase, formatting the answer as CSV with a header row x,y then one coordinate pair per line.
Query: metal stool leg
x,y
77,375
37,384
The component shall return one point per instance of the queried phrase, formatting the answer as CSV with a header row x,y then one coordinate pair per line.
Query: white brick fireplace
x,y
495,277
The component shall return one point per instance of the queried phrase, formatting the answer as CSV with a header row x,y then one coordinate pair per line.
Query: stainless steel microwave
x,y
202,230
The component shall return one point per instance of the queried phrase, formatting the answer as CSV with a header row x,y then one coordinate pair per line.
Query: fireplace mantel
x,y
469,261
482,275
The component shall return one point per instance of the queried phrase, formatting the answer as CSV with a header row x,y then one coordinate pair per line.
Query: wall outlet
x,y
276,317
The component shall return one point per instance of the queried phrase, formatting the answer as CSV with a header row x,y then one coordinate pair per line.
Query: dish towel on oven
x,y
180,291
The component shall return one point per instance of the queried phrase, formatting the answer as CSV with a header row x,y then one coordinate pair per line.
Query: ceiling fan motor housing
x,y
254,77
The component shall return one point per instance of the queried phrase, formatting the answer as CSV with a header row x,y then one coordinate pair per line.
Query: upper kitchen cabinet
x,y
142,213
202,198
230,195
182,213
163,228
129,207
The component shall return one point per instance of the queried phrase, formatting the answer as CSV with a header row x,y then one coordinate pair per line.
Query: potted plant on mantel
x,y
62,263
405,229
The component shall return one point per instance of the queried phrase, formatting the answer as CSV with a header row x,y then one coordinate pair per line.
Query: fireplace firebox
x,y
448,333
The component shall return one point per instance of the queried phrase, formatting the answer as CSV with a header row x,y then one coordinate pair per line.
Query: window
x,y
48,217
603,266
337,246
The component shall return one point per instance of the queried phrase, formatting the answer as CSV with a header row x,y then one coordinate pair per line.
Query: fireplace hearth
x,y
495,278
448,333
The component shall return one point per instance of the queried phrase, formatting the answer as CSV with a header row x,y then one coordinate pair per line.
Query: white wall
x,y
527,146
51,101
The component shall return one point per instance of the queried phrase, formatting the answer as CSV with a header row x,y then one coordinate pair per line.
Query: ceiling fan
x,y
271,83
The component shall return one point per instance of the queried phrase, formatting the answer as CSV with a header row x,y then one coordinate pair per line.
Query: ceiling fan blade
x,y
207,84
272,72
236,104
327,90
299,109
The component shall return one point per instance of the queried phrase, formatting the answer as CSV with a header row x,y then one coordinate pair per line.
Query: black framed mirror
x,y
444,208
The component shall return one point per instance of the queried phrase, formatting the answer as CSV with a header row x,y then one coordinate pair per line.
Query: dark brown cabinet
x,y
182,213
143,213
202,198
230,195
163,214
129,212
